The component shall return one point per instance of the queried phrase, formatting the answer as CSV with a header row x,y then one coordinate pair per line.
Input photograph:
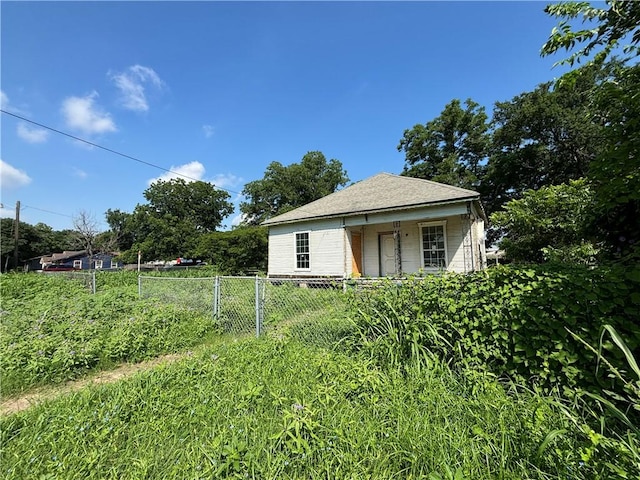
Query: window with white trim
x,y
98,264
303,249
114,264
434,245
77,264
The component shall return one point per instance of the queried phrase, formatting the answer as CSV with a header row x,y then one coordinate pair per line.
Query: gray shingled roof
x,y
379,193
67,254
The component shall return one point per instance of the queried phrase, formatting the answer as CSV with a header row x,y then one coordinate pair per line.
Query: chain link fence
x,y
190,293
310,310
88,279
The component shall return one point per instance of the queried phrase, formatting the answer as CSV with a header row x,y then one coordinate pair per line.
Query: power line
x,y
110,150
46,211
114,152
24,207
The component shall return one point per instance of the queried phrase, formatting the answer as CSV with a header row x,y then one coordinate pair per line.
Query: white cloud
x,y
11,177
208,130
132,83
6,212
81,113
238,219
195,171
5,104
80,173
192,170
32,134
226,180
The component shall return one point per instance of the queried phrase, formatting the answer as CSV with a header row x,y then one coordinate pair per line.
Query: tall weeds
x,y
532,327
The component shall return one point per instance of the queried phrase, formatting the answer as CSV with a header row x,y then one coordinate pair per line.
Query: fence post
x,y
93,282
258,319
216,297
139,286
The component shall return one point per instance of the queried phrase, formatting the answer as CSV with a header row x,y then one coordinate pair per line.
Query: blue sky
x,y
218,90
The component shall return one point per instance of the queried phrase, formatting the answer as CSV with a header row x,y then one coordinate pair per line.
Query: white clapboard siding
x,y
327,248
330,241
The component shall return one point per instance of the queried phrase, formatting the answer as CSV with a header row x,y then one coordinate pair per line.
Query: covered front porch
x,y
424,245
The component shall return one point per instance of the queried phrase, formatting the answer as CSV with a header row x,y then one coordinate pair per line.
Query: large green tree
x,y
200,204
548,224
451,148
614,174
240,251
544,137
169,225
284,188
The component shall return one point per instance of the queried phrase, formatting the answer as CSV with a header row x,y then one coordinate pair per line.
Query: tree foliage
x,y
544,137
242,250
200,204
450,148
285,188
608,27
548,223
169,225
615,173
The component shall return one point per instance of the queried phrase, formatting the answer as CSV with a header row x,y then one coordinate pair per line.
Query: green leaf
x,y
548,439
622,346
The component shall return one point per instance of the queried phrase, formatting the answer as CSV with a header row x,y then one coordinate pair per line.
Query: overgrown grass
x,y
516,320
52,329
317,315
274,409
266,409
538,326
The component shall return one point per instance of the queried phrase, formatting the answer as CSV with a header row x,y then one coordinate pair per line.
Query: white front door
x,y
387,255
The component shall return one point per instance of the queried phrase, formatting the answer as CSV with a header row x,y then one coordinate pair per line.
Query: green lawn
x,y
282,406
271,409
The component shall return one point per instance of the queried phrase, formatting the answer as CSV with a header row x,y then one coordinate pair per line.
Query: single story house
x,y
77,259
383,226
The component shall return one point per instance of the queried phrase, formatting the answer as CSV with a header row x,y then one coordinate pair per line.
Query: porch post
x,y
467,242
398,253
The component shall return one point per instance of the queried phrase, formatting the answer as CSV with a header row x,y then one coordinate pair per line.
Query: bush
x,y
514,321
537,326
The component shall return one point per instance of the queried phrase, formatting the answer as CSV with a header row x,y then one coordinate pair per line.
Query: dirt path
x,y
26,400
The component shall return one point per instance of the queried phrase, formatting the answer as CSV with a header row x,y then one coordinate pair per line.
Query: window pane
x,y
302,250
433,246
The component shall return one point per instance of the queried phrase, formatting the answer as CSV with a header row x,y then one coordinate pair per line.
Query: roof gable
x,y
382,192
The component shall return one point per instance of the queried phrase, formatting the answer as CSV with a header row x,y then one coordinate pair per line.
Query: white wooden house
x,y
386,225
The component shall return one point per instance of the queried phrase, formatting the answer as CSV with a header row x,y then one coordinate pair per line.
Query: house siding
x,y
410,245
330,241
327,249
36,264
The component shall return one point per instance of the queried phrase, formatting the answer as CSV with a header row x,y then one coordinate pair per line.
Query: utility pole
x,y
17,235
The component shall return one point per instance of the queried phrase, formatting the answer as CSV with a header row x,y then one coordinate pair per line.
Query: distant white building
x,y
386,225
